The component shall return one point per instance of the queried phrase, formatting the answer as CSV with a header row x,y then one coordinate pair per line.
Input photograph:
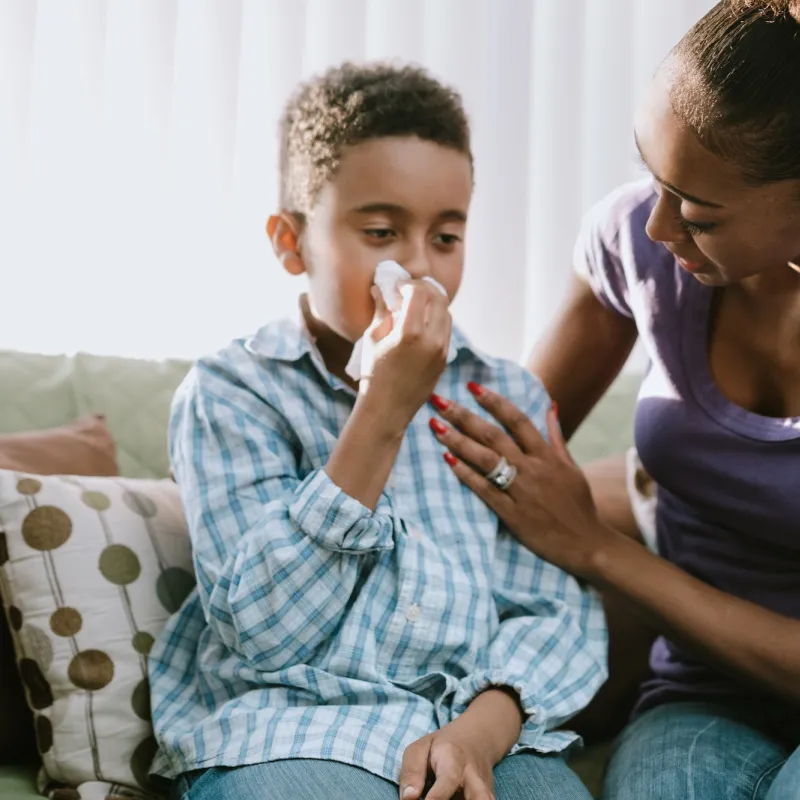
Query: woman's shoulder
x,y
613,251
618,222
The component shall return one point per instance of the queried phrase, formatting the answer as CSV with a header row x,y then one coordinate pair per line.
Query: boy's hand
x,y
406,352
452,764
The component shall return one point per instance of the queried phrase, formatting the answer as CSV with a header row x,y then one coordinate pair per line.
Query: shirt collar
x,y
289,341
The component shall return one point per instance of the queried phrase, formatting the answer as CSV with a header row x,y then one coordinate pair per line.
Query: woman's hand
x,y
549,506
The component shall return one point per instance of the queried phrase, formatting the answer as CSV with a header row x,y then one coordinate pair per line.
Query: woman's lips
x,y
689,266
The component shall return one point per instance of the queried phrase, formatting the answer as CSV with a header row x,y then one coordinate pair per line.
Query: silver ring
x,y
503,475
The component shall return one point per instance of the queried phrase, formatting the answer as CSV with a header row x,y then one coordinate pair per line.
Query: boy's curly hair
x,y
354,103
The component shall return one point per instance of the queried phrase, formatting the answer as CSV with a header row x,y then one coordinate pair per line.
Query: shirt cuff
x,y
336,521
535,720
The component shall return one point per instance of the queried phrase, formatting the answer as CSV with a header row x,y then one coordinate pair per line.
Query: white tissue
x,y
388,276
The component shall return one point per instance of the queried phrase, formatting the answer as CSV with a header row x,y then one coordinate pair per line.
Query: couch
x,y
38,391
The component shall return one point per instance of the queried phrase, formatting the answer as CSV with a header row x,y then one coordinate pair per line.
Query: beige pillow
x,y
83,447
91,569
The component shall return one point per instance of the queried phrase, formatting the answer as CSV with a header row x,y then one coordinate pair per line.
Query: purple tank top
x,y
729,492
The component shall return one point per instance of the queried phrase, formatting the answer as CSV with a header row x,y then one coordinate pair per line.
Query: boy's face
x,y
402,199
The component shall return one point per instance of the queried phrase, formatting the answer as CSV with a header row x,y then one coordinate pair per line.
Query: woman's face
x,y
721,229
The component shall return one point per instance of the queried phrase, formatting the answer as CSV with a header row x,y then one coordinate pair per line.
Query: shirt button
x,y
413,612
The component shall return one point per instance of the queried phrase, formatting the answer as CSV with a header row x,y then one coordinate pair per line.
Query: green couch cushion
x,y
17,783
44,391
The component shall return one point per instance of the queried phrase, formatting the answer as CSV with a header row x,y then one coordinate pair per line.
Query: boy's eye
x,y
379,233
448,238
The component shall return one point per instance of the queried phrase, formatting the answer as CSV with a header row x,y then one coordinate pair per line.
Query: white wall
x,y
138,152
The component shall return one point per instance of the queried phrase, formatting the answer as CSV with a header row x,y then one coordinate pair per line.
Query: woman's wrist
x,y
609,548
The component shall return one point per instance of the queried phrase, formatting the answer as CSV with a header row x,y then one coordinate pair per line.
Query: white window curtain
x,y
138,153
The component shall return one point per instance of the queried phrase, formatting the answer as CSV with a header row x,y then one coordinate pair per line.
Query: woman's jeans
x,y
706,751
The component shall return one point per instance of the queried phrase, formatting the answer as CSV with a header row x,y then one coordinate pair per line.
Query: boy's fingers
x,y
413,311
449,779
382,323
475,787
414,769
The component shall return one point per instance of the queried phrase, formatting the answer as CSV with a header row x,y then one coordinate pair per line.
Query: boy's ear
x,y
284,231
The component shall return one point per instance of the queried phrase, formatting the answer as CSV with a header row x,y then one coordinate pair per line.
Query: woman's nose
x,y
664,225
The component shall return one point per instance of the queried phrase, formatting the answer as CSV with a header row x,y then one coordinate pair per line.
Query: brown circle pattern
x,y
15,618
140,701
143,642
173,587
38,646
46,528
66,622
29,486
99,501
141,760
119,565
40,695
91,670
140,504
44,734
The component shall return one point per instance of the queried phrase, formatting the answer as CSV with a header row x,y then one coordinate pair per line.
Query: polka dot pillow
x,y
90,570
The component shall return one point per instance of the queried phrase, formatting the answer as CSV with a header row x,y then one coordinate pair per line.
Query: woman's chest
x,y
754,357
725,480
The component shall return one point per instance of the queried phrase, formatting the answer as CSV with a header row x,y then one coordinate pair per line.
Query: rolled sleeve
x,y
336,521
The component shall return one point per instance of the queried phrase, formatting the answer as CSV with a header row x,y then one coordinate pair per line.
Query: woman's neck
x,y
780,285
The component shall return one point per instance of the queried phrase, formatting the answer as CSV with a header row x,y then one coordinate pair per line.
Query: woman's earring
x,y
795,265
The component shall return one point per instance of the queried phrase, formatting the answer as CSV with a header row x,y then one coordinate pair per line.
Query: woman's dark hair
x,y
737,86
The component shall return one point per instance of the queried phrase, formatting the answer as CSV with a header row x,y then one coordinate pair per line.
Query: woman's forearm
x,y
739,637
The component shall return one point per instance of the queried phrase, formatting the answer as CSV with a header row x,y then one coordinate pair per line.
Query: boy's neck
x,y
335,350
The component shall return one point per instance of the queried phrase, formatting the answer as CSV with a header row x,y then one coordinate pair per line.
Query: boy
x,y
361,624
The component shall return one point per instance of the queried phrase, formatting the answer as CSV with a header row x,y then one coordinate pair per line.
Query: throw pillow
x,y
84,447
91,568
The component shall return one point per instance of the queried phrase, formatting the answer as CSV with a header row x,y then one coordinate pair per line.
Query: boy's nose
x,y
417,265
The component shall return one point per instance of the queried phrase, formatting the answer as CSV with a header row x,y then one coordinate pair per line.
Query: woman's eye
x,y
695,228
379,233
448,238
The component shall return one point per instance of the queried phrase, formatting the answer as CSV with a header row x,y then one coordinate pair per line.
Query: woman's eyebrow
x,y
674,189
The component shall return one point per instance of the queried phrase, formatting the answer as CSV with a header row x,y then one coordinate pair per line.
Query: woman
x,y
702,264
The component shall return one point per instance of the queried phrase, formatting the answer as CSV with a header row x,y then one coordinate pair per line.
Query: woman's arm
x,y
550,510
740,637
582,353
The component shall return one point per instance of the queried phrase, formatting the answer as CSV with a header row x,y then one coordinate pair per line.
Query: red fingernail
x,y
450,459
555,408
438,427
440,402
475,388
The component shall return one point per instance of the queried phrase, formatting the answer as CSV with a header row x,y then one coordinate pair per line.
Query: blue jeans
x,y
705,751
521,777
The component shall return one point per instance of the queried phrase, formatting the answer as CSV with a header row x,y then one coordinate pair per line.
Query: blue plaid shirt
x,y
321,629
